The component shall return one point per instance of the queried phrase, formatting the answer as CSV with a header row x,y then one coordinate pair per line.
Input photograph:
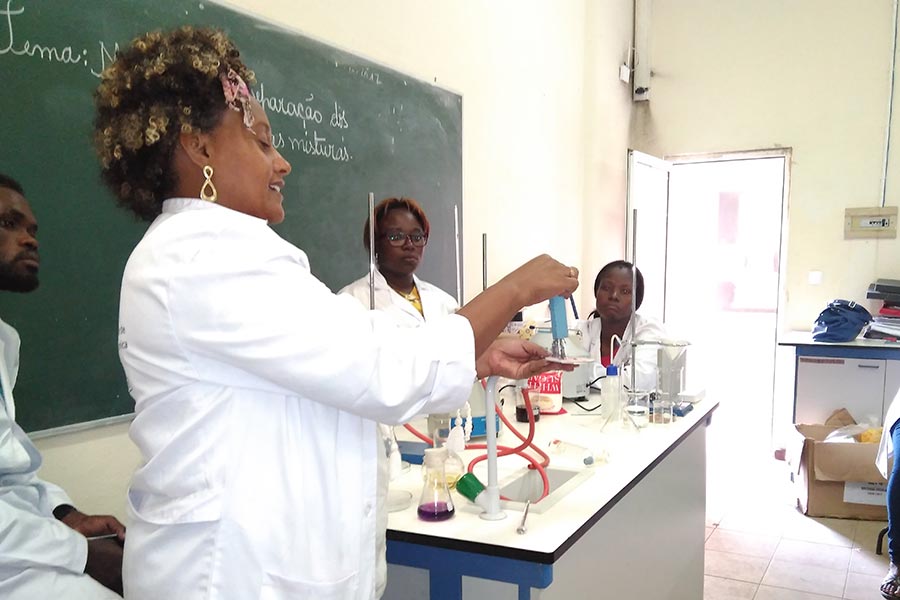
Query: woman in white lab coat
x,y
613,289
254,416
401,233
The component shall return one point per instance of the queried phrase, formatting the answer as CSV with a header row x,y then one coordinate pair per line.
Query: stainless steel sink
x,y
526,484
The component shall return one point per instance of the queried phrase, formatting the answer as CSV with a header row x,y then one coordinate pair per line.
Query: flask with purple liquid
x,y
435,503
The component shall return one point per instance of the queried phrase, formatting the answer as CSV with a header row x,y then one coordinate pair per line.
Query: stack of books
x,y
886,325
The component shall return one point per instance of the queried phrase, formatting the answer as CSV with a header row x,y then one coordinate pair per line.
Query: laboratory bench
x,y
630,527
861,375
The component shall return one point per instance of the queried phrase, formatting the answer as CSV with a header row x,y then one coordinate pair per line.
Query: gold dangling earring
x,y
208,191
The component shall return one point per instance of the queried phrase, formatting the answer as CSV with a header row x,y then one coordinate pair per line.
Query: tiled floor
x,y
759,547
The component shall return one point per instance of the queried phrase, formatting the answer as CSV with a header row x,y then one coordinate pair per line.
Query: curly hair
x,y
389,204
163,84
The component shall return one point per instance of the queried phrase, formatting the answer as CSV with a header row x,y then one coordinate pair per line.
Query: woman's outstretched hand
x,y
540,279
513,358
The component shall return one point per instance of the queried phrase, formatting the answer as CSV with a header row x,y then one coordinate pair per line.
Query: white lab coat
x,y
40,557
436,303
645,328
256,390
886,447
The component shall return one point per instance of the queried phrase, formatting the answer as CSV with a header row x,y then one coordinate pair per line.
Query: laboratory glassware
x,y
435,503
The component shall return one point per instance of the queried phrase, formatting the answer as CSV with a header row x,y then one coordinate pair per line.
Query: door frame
x,y
654,162
777,152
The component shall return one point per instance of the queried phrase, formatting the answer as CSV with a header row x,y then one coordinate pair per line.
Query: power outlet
x,y
877,222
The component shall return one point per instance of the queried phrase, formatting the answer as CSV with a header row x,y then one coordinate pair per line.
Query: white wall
x,y
806,74
543,152
93,466
608,113
519,68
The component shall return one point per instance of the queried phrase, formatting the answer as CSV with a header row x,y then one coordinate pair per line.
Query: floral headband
x,y
237,95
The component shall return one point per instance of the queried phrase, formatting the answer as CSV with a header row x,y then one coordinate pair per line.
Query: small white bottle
x,y
610,393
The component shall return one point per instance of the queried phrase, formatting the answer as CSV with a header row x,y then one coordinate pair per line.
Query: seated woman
x,y
890,438
611,317
401,233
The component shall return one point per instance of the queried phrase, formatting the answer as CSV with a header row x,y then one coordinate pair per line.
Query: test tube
x,y
559,327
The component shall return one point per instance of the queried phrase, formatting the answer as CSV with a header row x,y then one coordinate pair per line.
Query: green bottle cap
x,y
469,486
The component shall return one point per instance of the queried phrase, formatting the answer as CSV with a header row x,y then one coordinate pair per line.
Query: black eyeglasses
x,y
397,239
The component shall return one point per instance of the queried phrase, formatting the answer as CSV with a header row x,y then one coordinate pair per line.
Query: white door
x,y
709,244
646,236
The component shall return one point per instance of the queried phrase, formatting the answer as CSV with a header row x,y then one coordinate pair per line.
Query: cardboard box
x,y
821,471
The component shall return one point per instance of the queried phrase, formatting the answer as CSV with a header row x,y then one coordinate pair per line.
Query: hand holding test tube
x,y
559,329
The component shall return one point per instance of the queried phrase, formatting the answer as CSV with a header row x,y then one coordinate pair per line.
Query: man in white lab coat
x,y
43,550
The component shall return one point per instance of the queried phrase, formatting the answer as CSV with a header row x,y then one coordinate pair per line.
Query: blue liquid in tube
x,y
559,328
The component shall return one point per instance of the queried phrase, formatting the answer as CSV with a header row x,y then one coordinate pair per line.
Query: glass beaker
x,y
670,362
521,407
636,412
435,503
454,468
390,467
439,425
661,410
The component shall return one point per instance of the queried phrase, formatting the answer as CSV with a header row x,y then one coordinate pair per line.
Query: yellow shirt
x,y
414,299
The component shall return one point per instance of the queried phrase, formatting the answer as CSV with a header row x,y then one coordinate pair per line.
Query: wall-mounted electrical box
x,y
877,222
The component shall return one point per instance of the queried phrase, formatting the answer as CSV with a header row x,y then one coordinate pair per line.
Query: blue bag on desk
x,y
841,321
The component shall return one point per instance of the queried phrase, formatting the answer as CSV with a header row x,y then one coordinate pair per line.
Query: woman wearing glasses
x,y
401,232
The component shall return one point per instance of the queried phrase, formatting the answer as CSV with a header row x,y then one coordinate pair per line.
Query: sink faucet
x,y
492,511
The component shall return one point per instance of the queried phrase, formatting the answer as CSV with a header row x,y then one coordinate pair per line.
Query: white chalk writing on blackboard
x,y
26,48
339,117
59,54
365,73
311,142
300,109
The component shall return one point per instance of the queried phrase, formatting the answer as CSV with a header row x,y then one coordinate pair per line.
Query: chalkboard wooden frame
x,y
348,125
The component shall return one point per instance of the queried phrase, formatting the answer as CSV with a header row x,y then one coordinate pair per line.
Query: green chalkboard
x,y
347,125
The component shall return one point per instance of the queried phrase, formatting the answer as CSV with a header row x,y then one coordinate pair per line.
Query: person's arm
x,y
30,537
262,320
537,280
90,525
31,540
104,562
104,554
513,358
35,541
